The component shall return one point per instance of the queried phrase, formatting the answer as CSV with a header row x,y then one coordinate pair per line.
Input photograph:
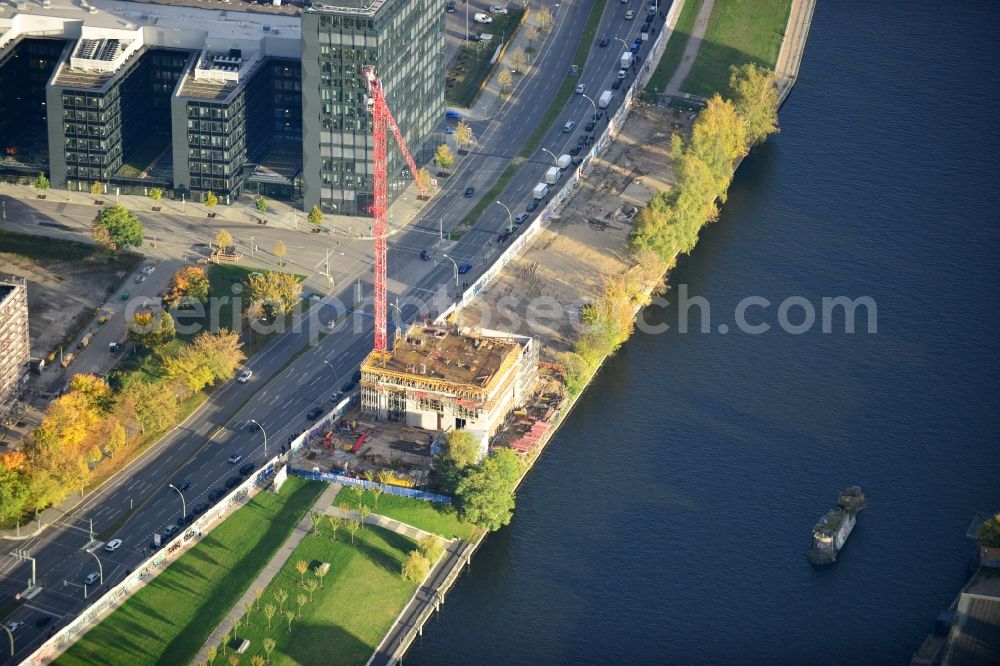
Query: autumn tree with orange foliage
x,y
189,285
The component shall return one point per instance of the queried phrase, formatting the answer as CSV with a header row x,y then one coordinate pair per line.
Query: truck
x,y
605,98
564,161
553,175
540,191
626,60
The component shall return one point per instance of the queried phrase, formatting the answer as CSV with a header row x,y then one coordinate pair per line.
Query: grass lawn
x,y
219,313
361,596
45,248
440,519
739,32
169,620
671,57
471,65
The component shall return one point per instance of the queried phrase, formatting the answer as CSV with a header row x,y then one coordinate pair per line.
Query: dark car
x,y
247,469
574,151
43,621
521,218
450,7
348,387
452,115
216,494
531,207
469,192
233,481
182,485
200,508
502,238
464,268
356,377
425,255
314,413
604,42
590,126
617,84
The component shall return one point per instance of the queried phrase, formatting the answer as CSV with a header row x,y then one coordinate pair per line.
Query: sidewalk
x,y
384,522
270,570
691,49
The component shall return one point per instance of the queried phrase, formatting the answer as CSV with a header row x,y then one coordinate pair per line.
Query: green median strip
x,y
491,196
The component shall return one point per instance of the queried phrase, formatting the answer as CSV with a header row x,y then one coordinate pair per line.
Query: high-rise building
x,y
14,345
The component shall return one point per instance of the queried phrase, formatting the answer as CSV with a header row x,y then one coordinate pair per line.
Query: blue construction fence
x,y
388,489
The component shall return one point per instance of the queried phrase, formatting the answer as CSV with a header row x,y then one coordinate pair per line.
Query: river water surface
x,y
668,520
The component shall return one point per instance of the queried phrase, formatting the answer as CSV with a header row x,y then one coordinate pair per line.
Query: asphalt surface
x,y
288,381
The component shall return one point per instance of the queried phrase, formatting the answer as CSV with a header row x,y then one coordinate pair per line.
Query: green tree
x,y
363,512
268,644
718,137
988,534
543,19
210,359
486,494
463,133
320,571
148,406
42,183
754,91
415,566
300,601
152,331
352,528
13,494
575,372
281,596
506,82
302,567
223,239
277,292
423,180
315,216
334,521
211,653
96,188
289,615
461,448
269,611
258,592
116,227
155,194
317,519
431,547
211,201
311,587
443,156
261,204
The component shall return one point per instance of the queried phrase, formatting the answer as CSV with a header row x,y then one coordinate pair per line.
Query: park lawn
x,y
671,57
471,65
222,293
440,519
739,32
169,620
362,595
48,249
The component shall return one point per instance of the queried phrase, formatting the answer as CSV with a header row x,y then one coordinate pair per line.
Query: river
x,y
668,520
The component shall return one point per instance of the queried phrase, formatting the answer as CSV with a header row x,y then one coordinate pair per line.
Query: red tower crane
x,y
381,118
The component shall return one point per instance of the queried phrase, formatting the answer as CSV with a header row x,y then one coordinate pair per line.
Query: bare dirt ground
x,y
540,293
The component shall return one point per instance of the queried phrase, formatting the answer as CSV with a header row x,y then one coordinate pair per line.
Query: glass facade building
x,y
404,41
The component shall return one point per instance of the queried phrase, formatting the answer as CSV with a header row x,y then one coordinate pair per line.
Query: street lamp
x,y
510,218
587,97
456,267
183,503
399,315
624,45
554,158
252,248
100,567
263,431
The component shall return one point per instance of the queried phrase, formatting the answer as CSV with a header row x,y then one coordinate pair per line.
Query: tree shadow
x,y
310,644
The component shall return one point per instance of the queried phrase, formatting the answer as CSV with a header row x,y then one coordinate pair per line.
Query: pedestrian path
x,y
385,522
270,570
692,48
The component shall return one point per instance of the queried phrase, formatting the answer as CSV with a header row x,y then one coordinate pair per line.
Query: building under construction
x,y
14,344
441,379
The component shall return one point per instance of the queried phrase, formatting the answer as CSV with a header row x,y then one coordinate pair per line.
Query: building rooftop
x,y
975,636
347,7
430,352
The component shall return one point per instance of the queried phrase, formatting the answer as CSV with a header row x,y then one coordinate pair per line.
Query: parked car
x,y
617,84
568,127
182,485
139,279
170,530
337,395
149,268
496,9
448,129
590,126
425,255
574,151
235,458
348,387
464,268
43,621
314,413
15,625
246,469
450,7
216,494
233,481
521,218
452,115
532,206
244,376
113,545
200,508
580,88
469,192
356,376
502,238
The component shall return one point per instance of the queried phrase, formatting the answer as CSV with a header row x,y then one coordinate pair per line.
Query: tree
x,y
268,644
148,406
269,611
486,494
211,358
461,449
42,183
506,82
381,480
443,156
988,534
423,180
155,194
226,638
258,592
116,227
317,519
315,216
431,547
188,285
300,601
718,137
211,653
463,135
311,586
302,567
223,239
415,566
234,660
334,521
13,494
520,62
257,660
754,91
261,204
363,511
96,188
277,292
280,250
543,19
211,201
152,331
359,493
352,528
281,596
289,615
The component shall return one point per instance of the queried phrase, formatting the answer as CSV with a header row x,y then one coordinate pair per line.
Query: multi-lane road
x,y
287,382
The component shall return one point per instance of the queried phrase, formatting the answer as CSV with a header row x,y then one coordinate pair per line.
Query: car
x,y
170,530
496,9
113,545
43,621
622,73
185,520
532,206
139,279
502,238
452,115
450,7
574,151
233,459
604,42
182,485
348,387
617,84
580,88
568,127
244,376
469,192
521,218
314,413
246,469
464,268
590,126
14,626
629,15
337,395
92,578
482,18
635,48
200,508
149,268
448,129
233,481
475,38
356,376
425,255
216,494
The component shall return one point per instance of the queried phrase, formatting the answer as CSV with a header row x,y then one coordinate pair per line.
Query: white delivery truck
x,y
540,191
564,161
605,99
553,175
626,60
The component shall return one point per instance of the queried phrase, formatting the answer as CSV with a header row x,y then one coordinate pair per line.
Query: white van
x,y
482,18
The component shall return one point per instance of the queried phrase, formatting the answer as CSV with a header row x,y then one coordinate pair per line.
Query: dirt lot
x,y
540,293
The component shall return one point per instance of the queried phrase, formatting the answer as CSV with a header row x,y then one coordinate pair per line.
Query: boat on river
x,y
831,531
